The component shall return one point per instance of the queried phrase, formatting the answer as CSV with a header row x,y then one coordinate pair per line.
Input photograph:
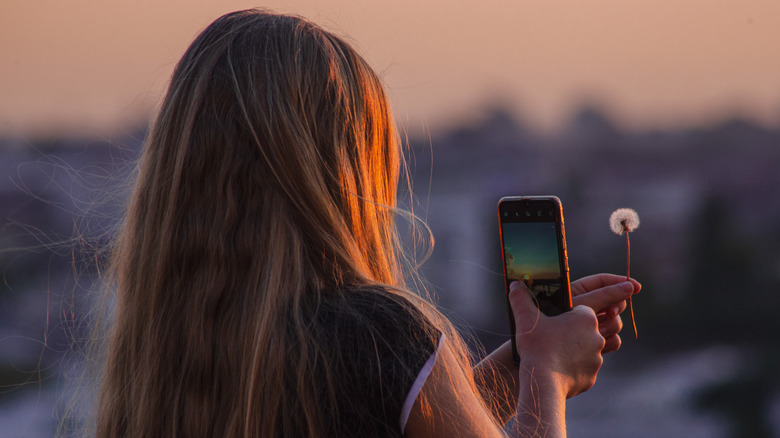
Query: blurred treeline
x,y
60,202
707,250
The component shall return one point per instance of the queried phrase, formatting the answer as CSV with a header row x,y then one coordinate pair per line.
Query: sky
x,y
99,66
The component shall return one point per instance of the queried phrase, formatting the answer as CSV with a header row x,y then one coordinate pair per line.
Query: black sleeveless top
x,y
384,343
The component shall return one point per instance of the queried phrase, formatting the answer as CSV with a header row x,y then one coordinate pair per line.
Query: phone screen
x,y
531,256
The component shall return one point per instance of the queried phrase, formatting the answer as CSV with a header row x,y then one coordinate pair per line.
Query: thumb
x,y
522,302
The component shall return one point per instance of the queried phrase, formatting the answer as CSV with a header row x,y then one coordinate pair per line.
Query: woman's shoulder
x,y
381,341
377,322
382,309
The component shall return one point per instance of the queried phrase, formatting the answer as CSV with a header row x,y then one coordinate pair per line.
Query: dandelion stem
x,y
628,278
628,258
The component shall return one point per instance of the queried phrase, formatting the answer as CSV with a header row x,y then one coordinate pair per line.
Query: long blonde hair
x,y
269,179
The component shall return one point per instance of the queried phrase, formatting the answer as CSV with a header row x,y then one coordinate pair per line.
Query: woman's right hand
x,y
563,351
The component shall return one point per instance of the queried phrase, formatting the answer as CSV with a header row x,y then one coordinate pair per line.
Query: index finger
x,y
598,281
606,297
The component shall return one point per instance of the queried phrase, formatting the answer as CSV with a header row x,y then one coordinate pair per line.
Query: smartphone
x,y
533,247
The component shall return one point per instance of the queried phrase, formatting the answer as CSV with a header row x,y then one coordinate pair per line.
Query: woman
x,y
259,290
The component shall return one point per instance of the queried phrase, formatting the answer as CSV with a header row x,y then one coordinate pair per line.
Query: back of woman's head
x,y
269,178
270,115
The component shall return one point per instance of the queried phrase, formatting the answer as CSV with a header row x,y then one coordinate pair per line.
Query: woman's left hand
x,y
606,294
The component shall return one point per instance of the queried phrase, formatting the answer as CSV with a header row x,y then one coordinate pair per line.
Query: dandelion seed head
x,y
623,219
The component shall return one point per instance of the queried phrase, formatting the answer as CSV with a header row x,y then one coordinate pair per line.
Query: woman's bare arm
x,y
448,406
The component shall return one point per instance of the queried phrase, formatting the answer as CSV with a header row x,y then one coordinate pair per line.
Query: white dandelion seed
x,y
622,220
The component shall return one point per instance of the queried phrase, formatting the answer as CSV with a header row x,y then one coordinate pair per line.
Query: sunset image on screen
x,y
531,255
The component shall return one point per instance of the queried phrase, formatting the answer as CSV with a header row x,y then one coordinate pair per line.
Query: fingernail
x,y
628,287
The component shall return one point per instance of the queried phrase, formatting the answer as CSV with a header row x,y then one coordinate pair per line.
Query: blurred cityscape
x,y
707,253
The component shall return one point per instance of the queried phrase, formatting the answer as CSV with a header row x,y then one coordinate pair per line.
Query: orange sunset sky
x,y
96,67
